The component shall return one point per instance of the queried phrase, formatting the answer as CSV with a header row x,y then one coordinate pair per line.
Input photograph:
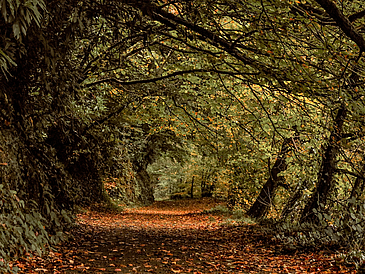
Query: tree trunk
x,y
268,191
206,186
145,197
327,171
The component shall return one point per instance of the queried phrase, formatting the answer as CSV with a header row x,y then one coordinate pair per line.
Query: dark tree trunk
x,y
206,187
327,171
268,191
144,181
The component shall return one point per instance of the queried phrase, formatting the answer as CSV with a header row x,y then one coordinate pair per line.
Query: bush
x,y
344,228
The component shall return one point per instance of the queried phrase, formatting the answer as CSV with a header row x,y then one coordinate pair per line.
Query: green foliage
x,y
18,16
28,224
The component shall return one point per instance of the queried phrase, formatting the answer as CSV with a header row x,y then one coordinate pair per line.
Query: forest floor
x,y
175,237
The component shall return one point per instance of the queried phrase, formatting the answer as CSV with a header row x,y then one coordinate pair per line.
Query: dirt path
x,y
174,237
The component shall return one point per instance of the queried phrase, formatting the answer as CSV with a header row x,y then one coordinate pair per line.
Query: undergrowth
x,y
341,231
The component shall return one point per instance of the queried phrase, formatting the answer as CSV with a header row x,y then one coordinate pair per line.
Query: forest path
x,y
174,237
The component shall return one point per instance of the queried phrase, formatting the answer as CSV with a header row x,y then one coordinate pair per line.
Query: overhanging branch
x,y
214,39
356,16
156,79
343,22
167,18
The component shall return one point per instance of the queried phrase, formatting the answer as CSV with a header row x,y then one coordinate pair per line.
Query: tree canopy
x,y
260,103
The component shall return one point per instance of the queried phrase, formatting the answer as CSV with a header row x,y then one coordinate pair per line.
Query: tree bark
x,y
327,171
268,191
343,22
145,186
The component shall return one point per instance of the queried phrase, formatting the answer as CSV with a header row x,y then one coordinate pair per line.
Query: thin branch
x,y
109,116
213,39
356,16
156,79
243,107
195,121
108,50
198,49
265,110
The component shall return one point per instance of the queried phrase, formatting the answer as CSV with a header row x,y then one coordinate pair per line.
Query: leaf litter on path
x,y
173,237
